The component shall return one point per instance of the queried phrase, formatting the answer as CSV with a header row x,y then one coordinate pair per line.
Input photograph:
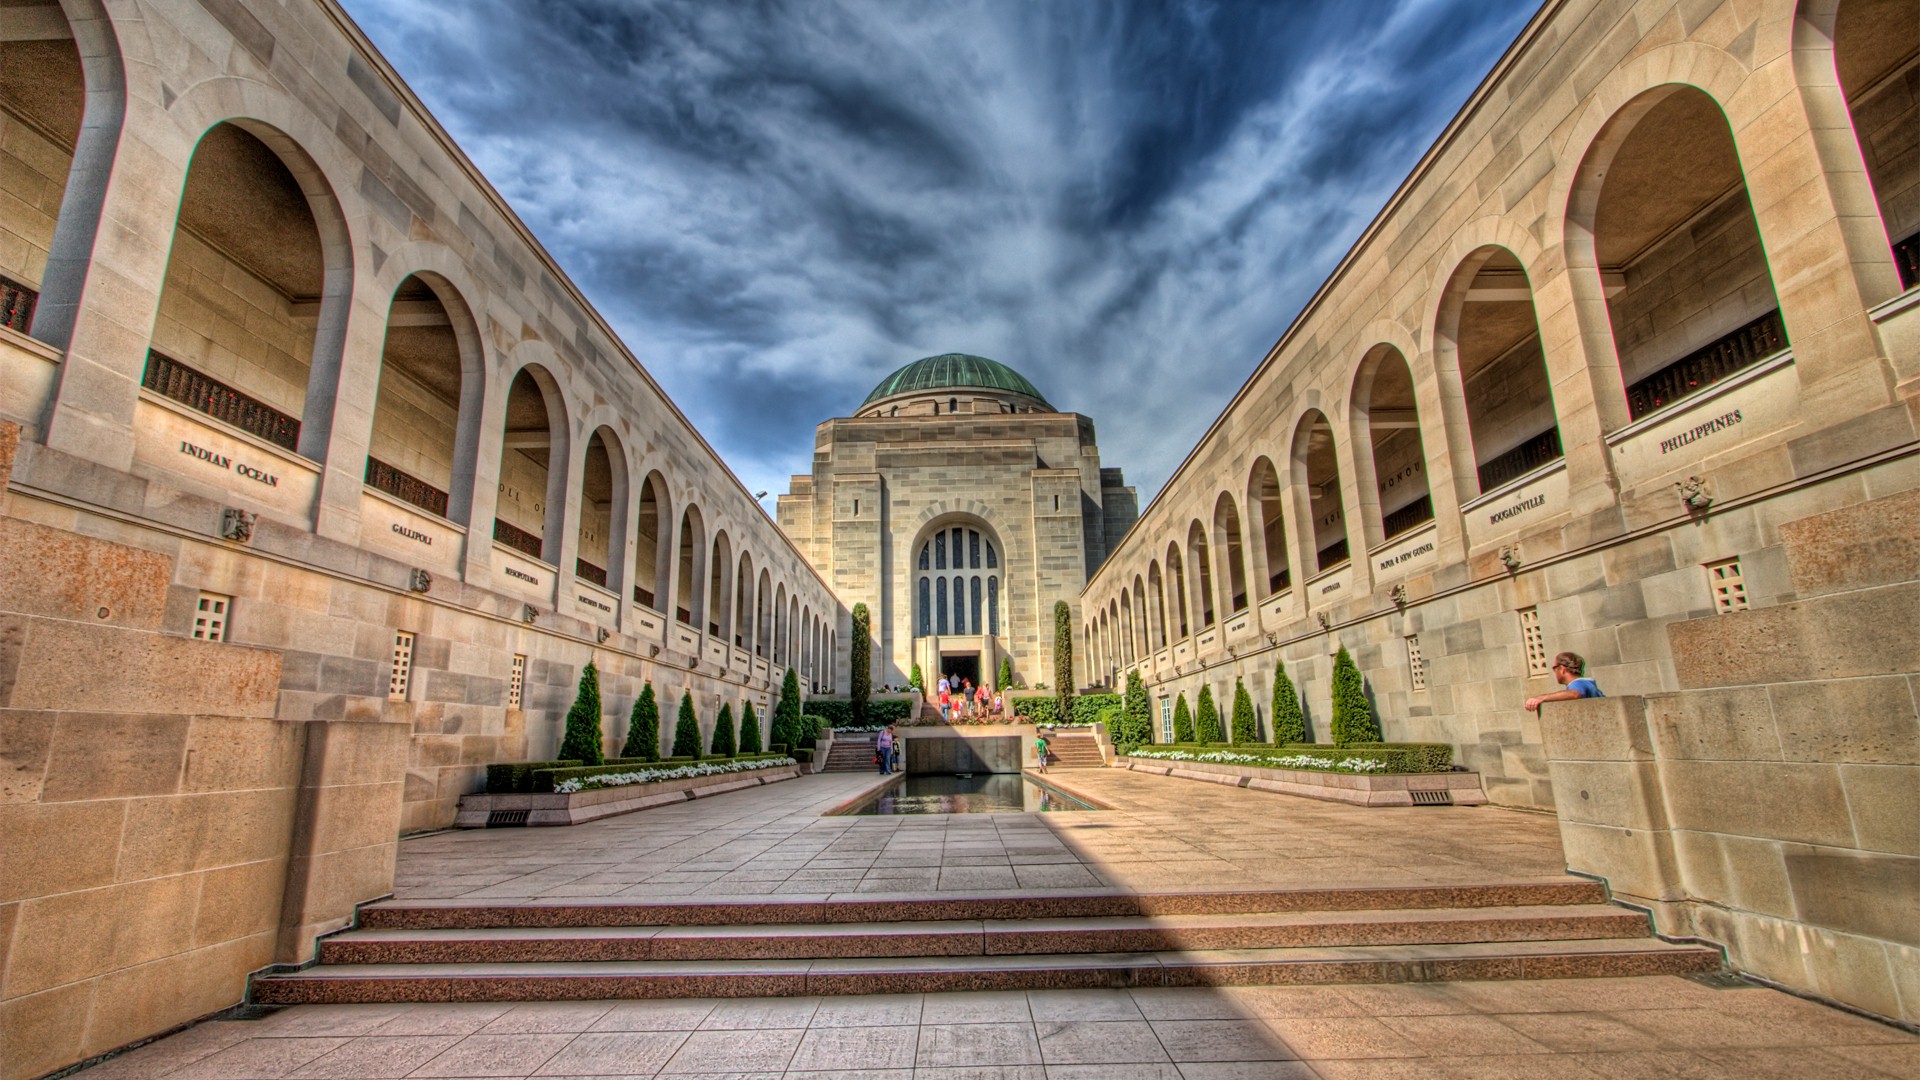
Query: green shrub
x,y
1246,726
1087,708
582,740
686,733
1352,718
1427,757
860,661
1040,710
749,731
1182,720
716,757
786,714
510,777
1206,718
643,728
1062,658
778,748
915,680
1139,712
804,755
678,760
1003,679
722,743
1289,722
837,713
1115,717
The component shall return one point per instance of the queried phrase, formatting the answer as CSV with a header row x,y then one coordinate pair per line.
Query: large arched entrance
x,y
959,600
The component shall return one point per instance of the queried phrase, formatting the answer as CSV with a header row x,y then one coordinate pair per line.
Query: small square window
x,y
402,666
210,617
1538,662
1728,585
517,682
1416,663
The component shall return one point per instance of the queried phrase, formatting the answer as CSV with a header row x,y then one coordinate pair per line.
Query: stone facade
x,y
997,470
1640,306
328,485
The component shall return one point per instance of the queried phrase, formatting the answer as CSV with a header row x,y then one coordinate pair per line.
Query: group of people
x,y
887,750
959,699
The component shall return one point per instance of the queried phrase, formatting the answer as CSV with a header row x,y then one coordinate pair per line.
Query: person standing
x,y
1040,748
899,749
883,750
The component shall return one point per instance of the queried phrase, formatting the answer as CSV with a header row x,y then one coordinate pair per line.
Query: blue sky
x,y
776,204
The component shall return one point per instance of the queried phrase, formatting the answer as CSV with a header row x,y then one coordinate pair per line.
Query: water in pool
x,y
981,793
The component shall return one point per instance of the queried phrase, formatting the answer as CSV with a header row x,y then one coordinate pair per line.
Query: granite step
x,y
368,983
426,914
993,937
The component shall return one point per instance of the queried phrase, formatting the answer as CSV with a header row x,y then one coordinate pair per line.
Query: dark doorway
x,y
961,667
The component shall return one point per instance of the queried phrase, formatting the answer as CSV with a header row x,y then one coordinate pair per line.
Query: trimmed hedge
x,y
1397,757
886,710
516,777
804,755
543,780
1087,708
1430,757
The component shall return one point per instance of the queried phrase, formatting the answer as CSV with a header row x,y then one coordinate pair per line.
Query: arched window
x,y
961,602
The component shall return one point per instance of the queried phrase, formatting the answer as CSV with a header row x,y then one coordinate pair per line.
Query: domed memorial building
x,y
959,505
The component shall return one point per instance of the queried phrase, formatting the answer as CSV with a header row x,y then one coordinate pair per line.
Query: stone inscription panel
x,y
1331,587
202,457
522,576
1405,555
1507,512
1763,404
415,538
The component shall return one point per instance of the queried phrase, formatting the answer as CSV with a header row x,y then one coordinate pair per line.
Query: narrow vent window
x,y
517,682
1728,585
1416,662
1538,662
210,617
402,666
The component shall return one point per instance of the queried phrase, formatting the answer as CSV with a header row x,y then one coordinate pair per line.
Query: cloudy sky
x,y
777,203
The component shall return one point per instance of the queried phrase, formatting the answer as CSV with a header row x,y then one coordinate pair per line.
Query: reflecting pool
x,y
980,793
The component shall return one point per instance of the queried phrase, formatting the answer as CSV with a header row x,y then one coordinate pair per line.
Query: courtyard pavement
x,y
1589,1028
1162,834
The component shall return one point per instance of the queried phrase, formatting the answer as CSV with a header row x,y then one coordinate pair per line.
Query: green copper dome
x,y
954,370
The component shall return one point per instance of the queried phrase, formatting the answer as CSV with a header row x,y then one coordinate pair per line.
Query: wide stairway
x,y
1073,748
852,752
431,950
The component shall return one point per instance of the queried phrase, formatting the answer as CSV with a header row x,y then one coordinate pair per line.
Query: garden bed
x,y
572,808
1360,789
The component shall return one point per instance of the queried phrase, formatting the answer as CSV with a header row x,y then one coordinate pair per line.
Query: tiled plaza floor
x,y
1163,834
1645,1027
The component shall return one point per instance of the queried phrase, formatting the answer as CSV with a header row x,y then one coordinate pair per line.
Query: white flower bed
x,y
1291,761
677,772
857,729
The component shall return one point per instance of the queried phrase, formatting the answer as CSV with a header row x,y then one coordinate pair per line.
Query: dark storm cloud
x,y
776,204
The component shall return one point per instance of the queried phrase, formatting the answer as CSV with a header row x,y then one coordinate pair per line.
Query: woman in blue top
x,y
1569,670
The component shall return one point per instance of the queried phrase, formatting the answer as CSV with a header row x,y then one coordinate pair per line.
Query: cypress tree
x,y
643,728
1352,720
1004,680
749,731
1063,659
860,657
723,731
1139,721
1206,718
686,733
786,714
1182,720
582,740
1246,726
915,680
1289,722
